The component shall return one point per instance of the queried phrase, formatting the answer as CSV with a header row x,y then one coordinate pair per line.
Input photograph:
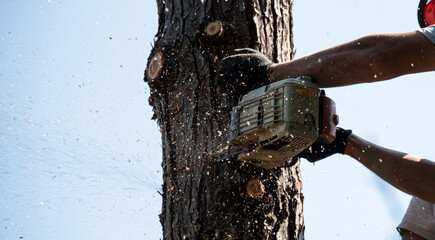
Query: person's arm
x,y
411,174
368,59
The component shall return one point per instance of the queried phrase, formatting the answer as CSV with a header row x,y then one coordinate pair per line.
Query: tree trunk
x,y
203,199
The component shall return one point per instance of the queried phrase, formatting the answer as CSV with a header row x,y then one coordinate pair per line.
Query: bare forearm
x,y
406,172
368,59
336,66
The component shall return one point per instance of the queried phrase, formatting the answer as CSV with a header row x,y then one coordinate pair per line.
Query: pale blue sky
x,y
80,157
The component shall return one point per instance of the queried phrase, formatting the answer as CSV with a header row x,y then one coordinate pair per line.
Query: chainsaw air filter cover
x,y
276,122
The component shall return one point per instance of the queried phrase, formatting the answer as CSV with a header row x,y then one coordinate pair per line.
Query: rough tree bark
x,y
202,199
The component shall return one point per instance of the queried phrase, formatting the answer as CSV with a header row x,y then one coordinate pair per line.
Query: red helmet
x,y
426,13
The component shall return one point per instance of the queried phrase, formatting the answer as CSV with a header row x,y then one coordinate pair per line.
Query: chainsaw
x,y
272,124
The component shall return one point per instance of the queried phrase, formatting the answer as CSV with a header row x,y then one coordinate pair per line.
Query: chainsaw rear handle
x,y
328,119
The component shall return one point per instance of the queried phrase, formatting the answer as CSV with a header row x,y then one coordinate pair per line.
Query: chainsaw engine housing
x,y
276,122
